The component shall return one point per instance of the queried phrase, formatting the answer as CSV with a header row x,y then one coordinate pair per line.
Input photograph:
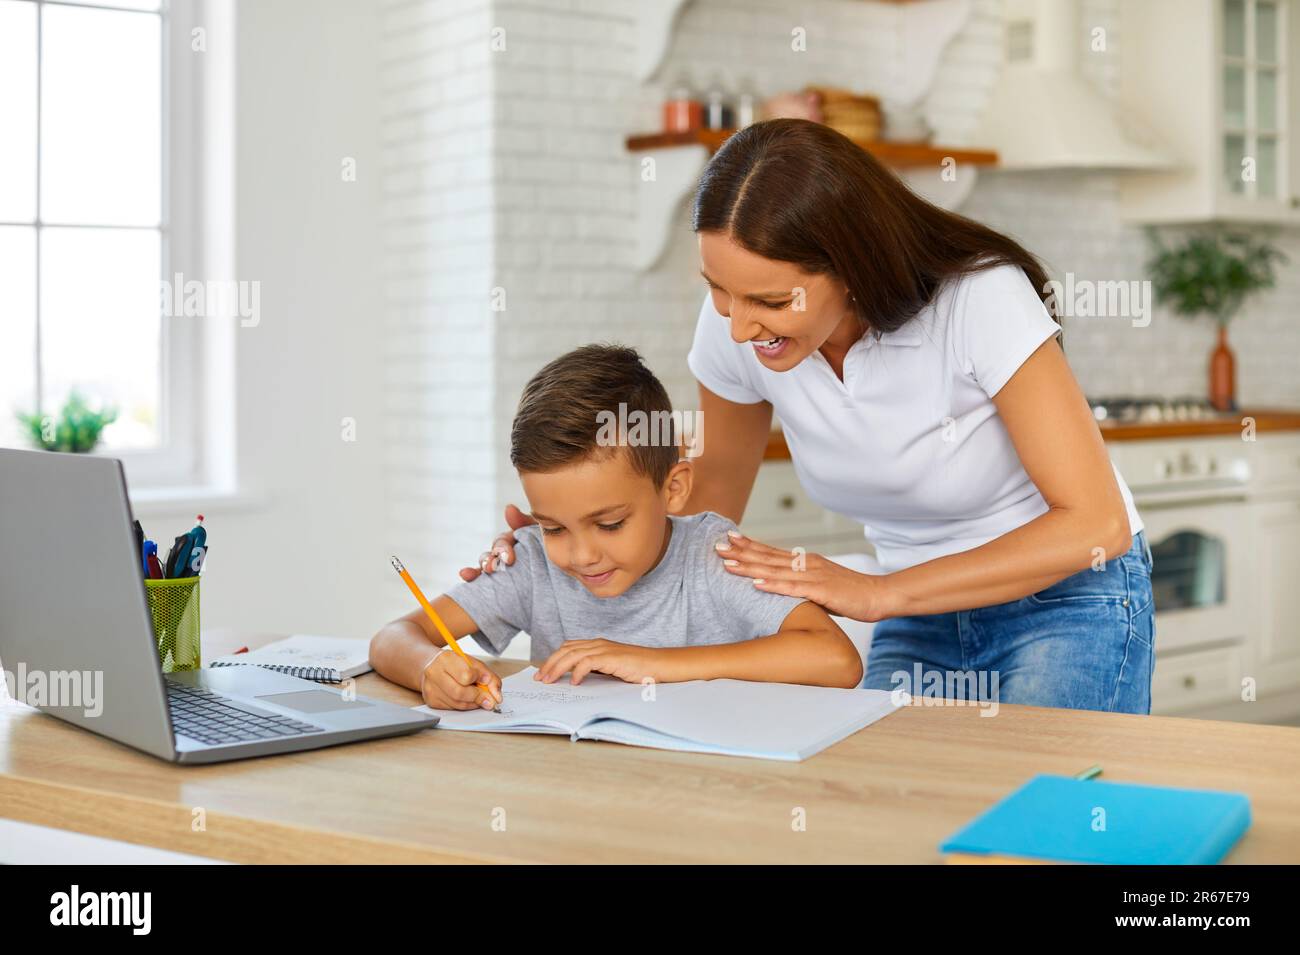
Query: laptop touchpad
x,y
312,701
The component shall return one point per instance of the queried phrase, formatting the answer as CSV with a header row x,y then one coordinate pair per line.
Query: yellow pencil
x,y
437,621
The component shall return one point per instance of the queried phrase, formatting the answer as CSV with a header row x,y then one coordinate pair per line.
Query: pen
x,y
1092,772
437,621
188,552
152,565
195,550
139,545
175,559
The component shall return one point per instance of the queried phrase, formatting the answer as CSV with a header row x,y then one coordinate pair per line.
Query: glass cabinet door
x,y
1253,134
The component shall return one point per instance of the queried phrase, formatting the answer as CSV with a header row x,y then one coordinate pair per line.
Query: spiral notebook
x,y
308,657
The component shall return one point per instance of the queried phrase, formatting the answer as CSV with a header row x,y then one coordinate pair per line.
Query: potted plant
x,y
1212,273
77,428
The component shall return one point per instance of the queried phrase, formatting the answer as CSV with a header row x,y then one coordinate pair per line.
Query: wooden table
x,y
890,793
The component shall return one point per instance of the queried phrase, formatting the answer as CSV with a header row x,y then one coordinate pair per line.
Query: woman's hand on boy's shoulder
x,y
626,662
775,570
502,552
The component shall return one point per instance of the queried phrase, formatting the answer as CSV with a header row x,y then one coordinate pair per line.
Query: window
x,y
109,170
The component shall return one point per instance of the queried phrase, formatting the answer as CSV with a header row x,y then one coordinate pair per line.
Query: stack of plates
x,y
857,117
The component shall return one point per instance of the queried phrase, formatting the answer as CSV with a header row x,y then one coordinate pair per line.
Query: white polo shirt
x,y
909,444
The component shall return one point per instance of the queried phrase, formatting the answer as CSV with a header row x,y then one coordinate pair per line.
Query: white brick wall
x,y
508,169
564,90
439,216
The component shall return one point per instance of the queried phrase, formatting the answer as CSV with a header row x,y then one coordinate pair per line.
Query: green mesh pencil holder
x,y
174,606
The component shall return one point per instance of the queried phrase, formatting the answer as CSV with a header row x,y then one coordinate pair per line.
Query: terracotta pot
x,y
1223,374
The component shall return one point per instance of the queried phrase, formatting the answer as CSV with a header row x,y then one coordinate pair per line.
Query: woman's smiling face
x,y
761,298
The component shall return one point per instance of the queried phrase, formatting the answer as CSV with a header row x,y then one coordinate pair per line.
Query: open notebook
x,y
728,717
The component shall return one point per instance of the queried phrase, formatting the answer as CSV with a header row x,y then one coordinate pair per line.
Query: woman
x,y
914,367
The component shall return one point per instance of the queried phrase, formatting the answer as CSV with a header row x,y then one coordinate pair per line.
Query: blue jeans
x,y
1087,643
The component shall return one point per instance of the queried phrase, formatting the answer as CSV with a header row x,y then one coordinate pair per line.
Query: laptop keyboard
x,y
211,718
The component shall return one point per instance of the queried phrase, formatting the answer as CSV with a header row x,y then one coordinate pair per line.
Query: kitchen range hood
x,y
1042,113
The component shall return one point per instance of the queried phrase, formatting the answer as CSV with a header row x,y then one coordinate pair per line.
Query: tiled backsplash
x,y
1071,221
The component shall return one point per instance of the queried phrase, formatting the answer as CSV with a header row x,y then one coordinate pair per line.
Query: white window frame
x,y
196,392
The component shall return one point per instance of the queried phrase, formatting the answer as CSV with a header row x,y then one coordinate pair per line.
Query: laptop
x,y
76,639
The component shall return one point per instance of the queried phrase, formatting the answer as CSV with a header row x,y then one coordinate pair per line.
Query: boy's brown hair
x,y
560,414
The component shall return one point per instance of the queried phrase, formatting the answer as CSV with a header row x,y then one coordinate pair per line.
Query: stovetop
x,y
1152,409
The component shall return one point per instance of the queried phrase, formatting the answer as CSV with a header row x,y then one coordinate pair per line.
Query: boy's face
x,y
602,523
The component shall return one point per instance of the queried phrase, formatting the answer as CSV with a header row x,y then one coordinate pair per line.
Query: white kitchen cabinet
x,y
1183,682
1216,83
1227,603
1275,465
1277,565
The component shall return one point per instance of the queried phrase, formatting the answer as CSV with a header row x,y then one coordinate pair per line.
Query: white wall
x,y
305,551
439,236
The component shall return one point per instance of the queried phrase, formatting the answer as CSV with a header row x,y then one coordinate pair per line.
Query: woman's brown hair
x,y
797,191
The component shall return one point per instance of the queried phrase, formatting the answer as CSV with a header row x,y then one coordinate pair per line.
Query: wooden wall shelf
x,y
900,155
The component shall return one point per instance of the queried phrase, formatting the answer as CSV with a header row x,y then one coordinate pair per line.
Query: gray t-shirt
x,y
688,599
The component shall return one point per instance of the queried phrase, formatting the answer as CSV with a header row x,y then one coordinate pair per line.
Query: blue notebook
x,y
1073,820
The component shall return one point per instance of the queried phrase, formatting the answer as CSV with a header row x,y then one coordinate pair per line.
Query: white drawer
x,y
778,507
1276,461
1186,680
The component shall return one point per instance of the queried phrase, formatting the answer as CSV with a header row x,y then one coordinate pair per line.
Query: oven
x,y
1192,496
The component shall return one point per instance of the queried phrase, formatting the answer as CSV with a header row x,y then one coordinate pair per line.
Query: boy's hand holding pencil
x,y
456,673
452,682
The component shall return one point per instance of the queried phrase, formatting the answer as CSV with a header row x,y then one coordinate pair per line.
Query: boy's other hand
x,y
450,683
626,662
502,552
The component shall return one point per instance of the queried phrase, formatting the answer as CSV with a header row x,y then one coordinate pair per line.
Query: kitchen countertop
x,y
1266,419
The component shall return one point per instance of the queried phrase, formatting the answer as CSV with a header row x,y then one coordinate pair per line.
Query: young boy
x,y
608,581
